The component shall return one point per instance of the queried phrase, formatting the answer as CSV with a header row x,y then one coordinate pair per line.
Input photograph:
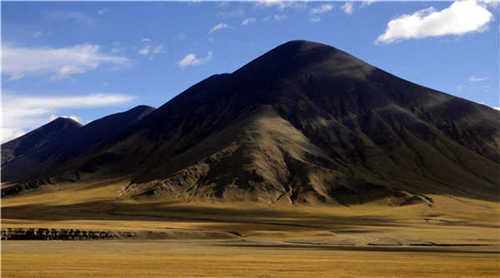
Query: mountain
x,y
303,123
37,138
45,160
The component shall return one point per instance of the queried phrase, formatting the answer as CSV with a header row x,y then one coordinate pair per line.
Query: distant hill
x,y
58,147
37,138
305,123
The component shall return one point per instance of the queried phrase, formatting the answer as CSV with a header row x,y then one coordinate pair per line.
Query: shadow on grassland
x,y
106,210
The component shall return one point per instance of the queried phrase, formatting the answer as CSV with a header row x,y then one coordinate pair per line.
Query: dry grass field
x,y
220,259
455,237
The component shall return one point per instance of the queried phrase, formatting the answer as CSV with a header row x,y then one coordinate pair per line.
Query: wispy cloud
x,y
18,62
316,12
149,49
270,2
192,60
218,27
460,18
367,3
315,19
23,113
71,17
474,78
248,21
348,8
38,34
102,11
324,8
491,3
231,13
279,17
281,4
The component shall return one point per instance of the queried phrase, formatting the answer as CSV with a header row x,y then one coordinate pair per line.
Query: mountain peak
x,y
142,108
297,58
302,45
64,121
38,137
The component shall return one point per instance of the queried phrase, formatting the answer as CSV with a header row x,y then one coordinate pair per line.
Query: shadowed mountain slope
x,y
306,122
37,138
50,157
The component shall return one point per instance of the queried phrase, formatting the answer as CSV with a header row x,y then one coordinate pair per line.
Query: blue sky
x,y
89,59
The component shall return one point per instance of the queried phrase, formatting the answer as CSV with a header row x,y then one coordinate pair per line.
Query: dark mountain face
x,y
306,122
51,157
37,138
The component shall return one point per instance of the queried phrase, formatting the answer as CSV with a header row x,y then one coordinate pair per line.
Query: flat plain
x,y
455,237
211,258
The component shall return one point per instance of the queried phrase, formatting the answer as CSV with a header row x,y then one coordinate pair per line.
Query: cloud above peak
x,y
59,63
21,113
461,17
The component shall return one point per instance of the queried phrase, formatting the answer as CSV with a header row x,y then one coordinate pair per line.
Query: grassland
x,y
455,237
216,259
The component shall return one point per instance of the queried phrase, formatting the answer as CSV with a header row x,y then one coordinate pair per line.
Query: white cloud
x,y
38,34
116,47
315,19
324,8
367,3
71,17
23,113
7,134
102,11
18,62
149,49
218,27
281,4
474,78
279,17
231,13
497,108
275,17
56,102
491,3
192,60
348,8
269,3
460,18
248,21
316,12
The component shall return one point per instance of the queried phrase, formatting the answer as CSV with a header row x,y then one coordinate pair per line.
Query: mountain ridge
x,y
36,137
71,143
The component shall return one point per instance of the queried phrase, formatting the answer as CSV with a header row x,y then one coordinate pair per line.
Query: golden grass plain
x,y
456,237
215,259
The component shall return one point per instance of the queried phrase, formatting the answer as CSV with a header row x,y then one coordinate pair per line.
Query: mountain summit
x,y
37,138
305,123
